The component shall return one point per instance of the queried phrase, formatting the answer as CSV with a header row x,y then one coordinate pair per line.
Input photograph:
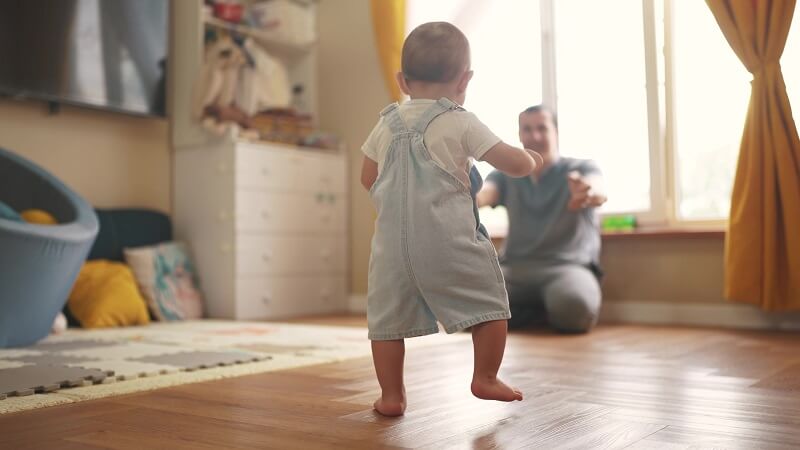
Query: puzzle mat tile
x,y
11,364
66,346
27,380
129,370
194,360
210,333
125,350
40,378
185,339
54,359
11,353
273,349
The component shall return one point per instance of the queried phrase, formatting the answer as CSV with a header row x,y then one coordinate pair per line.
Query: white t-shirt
x,y
453,139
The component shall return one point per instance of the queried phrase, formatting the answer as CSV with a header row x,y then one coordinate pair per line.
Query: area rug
x,y
82,365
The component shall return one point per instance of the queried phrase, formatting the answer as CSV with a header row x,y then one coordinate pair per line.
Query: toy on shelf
x,y
254,83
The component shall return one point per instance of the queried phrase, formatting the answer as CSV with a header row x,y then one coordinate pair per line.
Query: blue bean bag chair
x,y
38,263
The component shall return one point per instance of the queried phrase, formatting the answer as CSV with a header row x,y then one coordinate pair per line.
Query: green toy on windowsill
x,y
624,223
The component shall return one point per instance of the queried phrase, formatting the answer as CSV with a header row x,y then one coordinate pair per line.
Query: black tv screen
x,y
100,53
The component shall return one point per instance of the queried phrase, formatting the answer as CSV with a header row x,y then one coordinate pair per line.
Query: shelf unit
x,y
266,222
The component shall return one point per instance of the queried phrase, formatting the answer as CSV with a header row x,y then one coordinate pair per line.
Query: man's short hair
x,y
435,52
542,108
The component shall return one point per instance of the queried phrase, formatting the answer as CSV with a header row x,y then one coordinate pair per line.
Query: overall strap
x,y
441,106
391,114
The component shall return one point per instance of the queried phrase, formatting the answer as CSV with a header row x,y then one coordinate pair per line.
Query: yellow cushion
x,y
105,295
38,216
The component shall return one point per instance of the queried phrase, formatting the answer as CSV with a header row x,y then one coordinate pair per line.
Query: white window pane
x,y
790,62
602,97
505,41
505,82
712,91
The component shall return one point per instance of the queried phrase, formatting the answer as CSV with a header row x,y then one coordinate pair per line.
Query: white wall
x,y
113,160
351,94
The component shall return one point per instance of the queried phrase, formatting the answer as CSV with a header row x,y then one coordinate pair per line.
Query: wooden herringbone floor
x,y
619,387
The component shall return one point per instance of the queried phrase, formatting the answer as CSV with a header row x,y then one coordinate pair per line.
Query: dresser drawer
x,y
260,167
291,212
264,168
330,174
280,297
291,255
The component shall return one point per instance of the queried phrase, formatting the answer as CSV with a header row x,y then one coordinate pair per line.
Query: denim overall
x,y
429,262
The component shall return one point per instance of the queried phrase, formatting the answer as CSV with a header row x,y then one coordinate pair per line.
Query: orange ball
x,y
38,216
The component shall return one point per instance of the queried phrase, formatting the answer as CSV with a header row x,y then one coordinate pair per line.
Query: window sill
x,y
665,233
647,233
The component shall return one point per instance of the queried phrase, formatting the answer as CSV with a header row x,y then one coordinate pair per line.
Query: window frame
x,y
658,29
660,88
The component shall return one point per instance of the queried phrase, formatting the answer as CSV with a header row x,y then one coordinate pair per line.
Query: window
x,y
711,91
602,96
649,89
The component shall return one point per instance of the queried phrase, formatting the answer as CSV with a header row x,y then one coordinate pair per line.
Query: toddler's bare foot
x,y
390,408
494,389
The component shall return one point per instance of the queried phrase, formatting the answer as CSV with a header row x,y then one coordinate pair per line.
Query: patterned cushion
x,y
168,280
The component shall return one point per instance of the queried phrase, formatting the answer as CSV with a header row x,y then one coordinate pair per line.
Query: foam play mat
x,y
87,364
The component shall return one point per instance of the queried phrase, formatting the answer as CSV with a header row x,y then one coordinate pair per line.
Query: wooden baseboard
x,y
729,315
357,303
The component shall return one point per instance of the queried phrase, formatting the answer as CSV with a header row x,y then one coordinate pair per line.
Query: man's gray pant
x,y
566,296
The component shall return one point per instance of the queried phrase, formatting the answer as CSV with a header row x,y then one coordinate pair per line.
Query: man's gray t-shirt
x,y
541,230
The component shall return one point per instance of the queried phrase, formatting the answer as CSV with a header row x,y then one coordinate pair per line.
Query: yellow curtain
x,y
762,247
389,23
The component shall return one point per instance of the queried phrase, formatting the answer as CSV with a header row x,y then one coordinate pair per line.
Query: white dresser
x,y
267,225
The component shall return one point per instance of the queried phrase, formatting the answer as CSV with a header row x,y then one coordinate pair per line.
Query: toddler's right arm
x,y
369,173
513,161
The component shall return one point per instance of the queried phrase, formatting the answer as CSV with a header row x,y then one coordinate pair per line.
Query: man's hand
x,y
489,195
582,194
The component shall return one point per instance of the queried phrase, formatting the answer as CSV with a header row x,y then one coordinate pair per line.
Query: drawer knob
x,y
266,299
266,257
264,171
265,214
